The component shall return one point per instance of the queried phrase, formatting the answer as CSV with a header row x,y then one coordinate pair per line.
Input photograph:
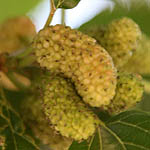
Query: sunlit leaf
x,y
79,146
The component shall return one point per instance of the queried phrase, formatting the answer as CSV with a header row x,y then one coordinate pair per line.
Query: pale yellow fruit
x,y
63,50
66,111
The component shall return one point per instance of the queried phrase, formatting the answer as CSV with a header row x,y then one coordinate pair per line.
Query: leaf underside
x,y
127,131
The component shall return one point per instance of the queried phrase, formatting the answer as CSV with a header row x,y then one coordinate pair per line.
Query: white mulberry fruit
x,y
120,38
66,111
76,55
34,117
129,91
140,61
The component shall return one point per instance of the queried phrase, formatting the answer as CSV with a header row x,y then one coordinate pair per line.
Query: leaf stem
x,y
89,147
100,138
63,16
115,135
52,12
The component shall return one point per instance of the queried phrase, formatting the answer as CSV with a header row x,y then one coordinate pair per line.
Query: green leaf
x,y
23,143
104,115
96,141
11,8
127,131
79,146
3,122
15,98
12,128
146,77
67,4
139,12
16,122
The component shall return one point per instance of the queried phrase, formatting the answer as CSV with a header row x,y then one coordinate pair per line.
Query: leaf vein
x,y
116,136
138,127
137,113
143,122
139,146
100,139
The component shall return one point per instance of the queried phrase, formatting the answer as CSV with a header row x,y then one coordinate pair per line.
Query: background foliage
x,y
9,8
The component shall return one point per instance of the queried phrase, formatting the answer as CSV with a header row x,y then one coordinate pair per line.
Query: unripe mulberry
x,y
66,111
119,38
16,33
76,55
129,91
33,116
140,61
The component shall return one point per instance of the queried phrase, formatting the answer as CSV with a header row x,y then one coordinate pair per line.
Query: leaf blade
x,y
132,133
79,146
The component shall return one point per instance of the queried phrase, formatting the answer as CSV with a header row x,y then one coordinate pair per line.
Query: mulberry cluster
x,y
78,65
119,38
129,91
66,112
63,50
40,126
16,33
140,61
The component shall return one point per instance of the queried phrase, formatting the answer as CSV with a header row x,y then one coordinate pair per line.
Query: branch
x,y
52,12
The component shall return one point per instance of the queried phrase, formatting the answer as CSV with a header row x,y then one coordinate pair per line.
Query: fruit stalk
x,y
63,16
52,12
